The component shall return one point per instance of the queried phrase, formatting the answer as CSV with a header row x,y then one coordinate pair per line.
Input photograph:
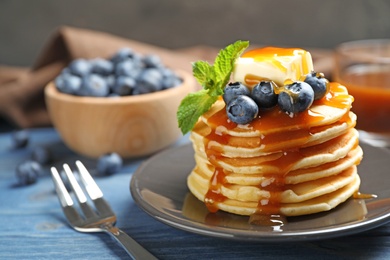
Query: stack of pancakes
x,y
278,164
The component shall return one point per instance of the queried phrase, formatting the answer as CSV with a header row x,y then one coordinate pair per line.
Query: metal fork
x,y
100,219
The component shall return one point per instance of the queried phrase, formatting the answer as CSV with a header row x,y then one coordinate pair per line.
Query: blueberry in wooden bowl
x,y
126,104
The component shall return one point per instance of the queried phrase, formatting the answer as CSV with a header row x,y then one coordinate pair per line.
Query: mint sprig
x,y
213,79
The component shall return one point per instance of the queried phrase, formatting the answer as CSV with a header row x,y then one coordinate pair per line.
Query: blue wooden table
x,y
32,225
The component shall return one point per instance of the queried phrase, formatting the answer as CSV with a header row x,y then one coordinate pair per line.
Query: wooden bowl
x,y
130,126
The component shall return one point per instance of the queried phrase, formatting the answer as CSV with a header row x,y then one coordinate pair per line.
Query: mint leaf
x,y
213,79
224,62
192,107
201,70
205,75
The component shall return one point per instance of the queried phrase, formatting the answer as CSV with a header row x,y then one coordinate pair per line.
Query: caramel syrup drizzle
x,y
272,119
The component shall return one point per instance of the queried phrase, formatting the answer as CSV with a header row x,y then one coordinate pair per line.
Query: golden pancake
x,y
318,204
254,146
282,162
322,112
293,177
293,193
279,163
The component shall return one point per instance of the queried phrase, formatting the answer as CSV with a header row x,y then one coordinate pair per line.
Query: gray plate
x,y
159,188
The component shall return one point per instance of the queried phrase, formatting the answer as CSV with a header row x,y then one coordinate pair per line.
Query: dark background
x,y
25,25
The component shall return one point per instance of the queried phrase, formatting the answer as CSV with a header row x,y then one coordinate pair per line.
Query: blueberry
x,y
150,80
102,67
28,172
296,97
122,54
170,82
233,90
123,86
109,164
94,85
319,84
110,80
41,154
152,61
68,83
167,72
137,59
19,139
80,67
170,78
113,95
242,110
127,68
264,94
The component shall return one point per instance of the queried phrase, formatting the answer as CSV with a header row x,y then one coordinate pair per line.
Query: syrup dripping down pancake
x,y
324,202
278,164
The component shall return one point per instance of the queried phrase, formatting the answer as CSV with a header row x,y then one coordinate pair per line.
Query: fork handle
x,y
131,246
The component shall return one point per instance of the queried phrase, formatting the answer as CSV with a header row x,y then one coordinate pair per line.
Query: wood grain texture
x,y
33,225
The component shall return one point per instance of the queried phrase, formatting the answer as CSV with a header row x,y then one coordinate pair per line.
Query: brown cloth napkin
x,y
21,90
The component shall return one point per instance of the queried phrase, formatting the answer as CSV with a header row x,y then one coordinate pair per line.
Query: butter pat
x,y
271,63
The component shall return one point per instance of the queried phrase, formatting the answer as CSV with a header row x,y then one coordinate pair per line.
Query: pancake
x,y
256,145
294,177
311,164
291,193
322,113
279,163
316,205
325,202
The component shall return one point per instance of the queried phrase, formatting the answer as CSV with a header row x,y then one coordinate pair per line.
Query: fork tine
x,y
75,186
85,207
90,185
62,193
94,191
65,199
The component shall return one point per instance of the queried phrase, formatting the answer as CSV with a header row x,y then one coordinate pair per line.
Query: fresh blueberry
x,y
109,164
233,90
123,86
19,139
137,59
170,78
170,82
68,83
122,54
41,154
150,80
111,79
167,72
113,95
28,172
264,94
296,97
127,68
319,84
80,67
94,85
103,77
102,66
152,61
242,110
